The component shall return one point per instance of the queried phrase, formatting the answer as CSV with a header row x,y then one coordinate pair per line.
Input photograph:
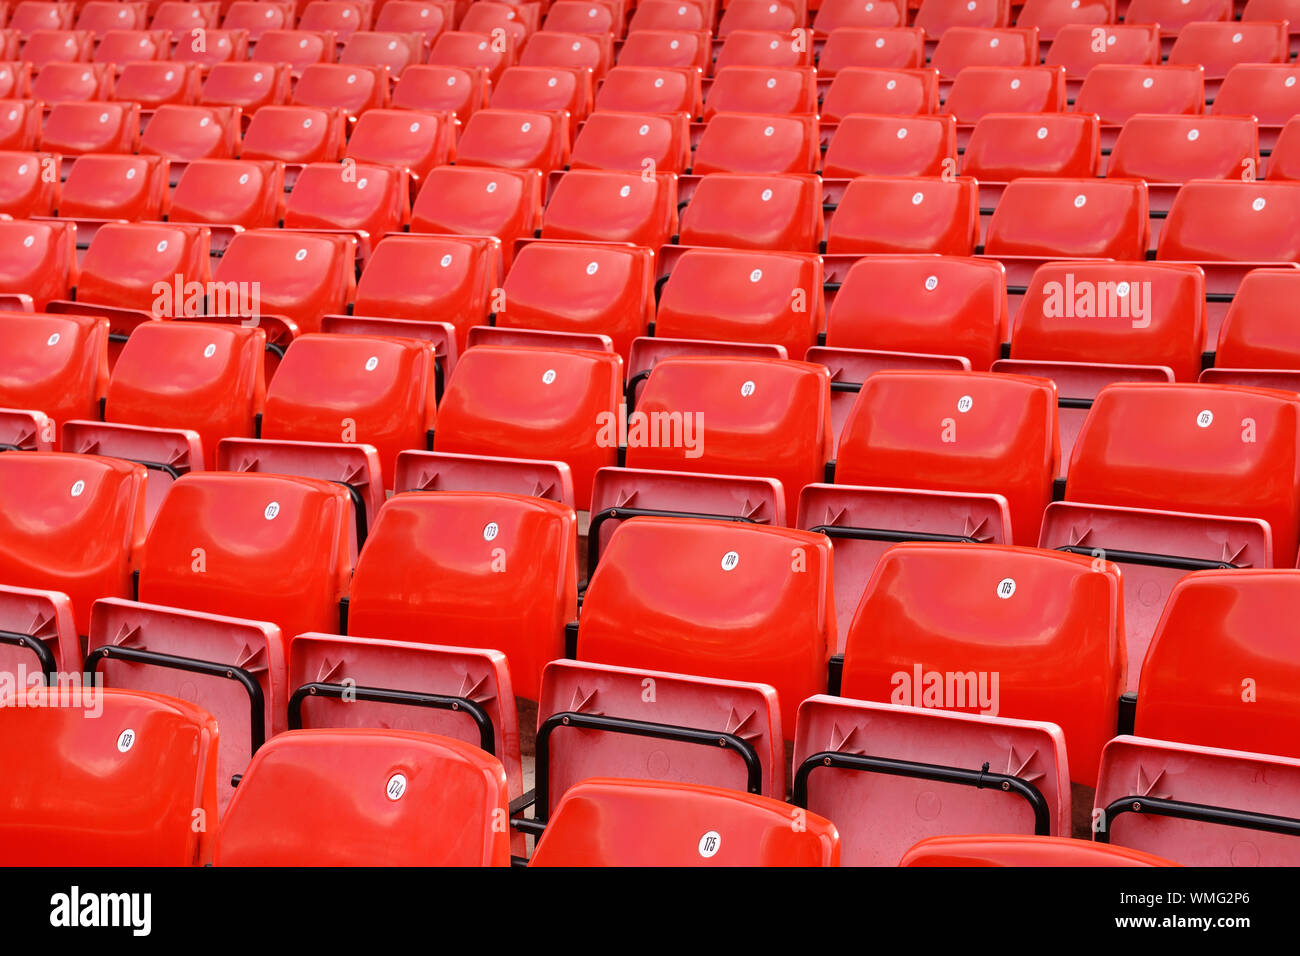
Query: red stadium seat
x,y
644,89
514,139
183,17
1125,44
1177,148
152,84
418,277
580,16
1006,146
247,193
299,48
772,297
1006,850
29,16
132,46
1199,806
835,15
632,142
882,214
1258,332
59,82
15,79
763,47
936,17
669,15
109,186
468,201
881,91
755,212
412,16
758,89
551,403
55,363
873,145
29,184
441,89
492,570
961,47
20,124
1174,15
351,388
73,128
1053,16
43,47
250,86
125,789
544,89
881,771
579,287
749,143
396,51
1268,91
980,90
255,17
126,262
1172,495
57,506
1218,47
211,47
1212,221
752,417
1048,626
899,48
443,807
337,16
716,599
1117,93
474,50
352,196
962,432
604,822
352,89
674,49
301,276
187,133
295,134
38,259
612,207
574,50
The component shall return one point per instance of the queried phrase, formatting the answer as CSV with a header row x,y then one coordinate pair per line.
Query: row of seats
x,y
1026,639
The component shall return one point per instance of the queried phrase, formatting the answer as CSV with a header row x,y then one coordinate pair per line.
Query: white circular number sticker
x,y
747,389
271,511
1006,588
964,404
396,788
730,560
125,741
372,363
210,350
1205,419
548,376
78,487
490,531
710,843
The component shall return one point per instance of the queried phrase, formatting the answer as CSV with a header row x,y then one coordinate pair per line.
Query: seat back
x,y
1216,221
55,363
299,276
1065,218
895,214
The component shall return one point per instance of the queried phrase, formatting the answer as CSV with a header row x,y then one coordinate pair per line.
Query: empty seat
x,y
597,720
391,797
632,142
755,212
1284,160
1006,146
58,82
192,132
352,388
244,192
183,17
468,201
880,91
553,404
1258,331
680,825
295,134
644,89
1174,149
1172,496
300,276
274,548
29,185
763,47
1007,850
211,47
754,417
921,304
340,18
936,17
962,47
1174,15
396,51
835,15
676,49
483,570
956,431
758,89
28,16
250,86
748,143
576,287
58,46
72,523
1198,806
57,364
1268,91
420,277
474,50
612,207
299,48
890,774
120,780
1218,47
20,124
353,196
980,90
544,89
1116,93
715,599
38,259
669,15
574,50
127,262
108,186
762,15
73,128
441,88
352,89
1075,48
914,215
771,297
1053,16
255,18
891,47
1069,218
514,139
1215,221
1046,627
866,145
151,84
132,46
413,16
517,21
